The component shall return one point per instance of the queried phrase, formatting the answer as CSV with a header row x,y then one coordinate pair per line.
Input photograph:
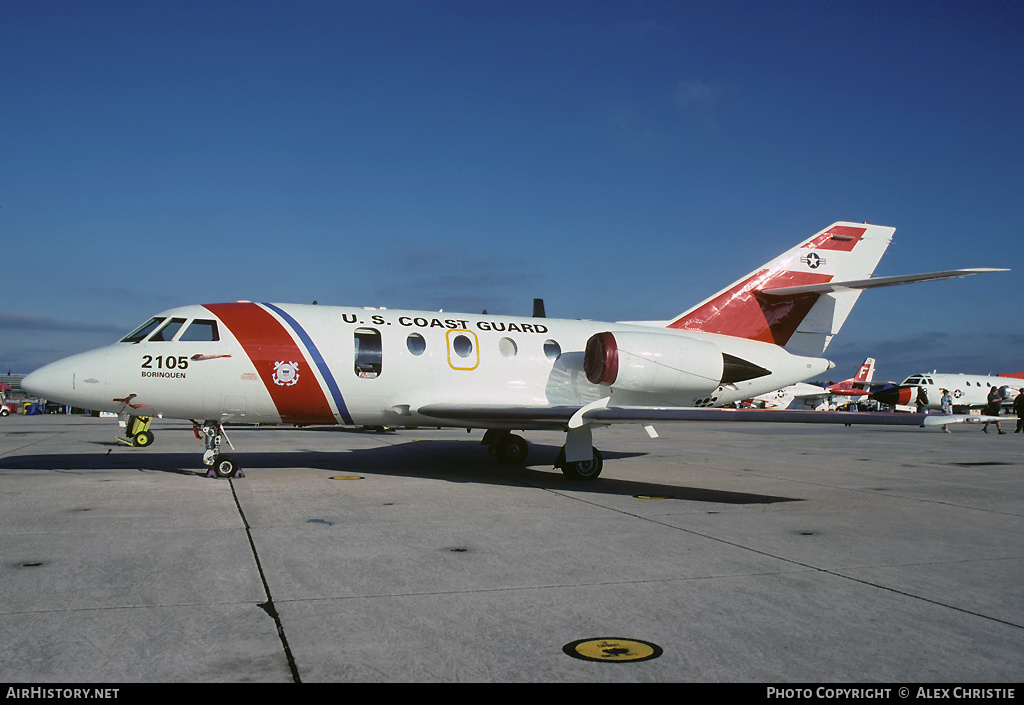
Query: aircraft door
x,y
369,355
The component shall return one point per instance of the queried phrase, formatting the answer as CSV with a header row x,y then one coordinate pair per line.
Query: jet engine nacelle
x,y
653,362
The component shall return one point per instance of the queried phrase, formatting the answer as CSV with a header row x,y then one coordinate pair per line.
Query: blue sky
x,y
622,160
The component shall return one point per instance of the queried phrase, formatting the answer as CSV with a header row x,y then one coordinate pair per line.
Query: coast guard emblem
x,y
286,374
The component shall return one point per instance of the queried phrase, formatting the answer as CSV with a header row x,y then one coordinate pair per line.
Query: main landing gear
x,y
579,459
510,449
211,433
581,469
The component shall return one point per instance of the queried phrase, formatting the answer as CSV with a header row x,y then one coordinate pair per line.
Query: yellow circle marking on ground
x,y
612,650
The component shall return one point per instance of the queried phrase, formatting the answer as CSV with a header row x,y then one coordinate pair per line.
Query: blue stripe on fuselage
x,y
321,365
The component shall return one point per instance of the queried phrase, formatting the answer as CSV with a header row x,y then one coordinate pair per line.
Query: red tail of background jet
x,y
859,384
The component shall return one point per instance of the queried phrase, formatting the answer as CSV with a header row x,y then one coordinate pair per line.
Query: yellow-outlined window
x,y
463,349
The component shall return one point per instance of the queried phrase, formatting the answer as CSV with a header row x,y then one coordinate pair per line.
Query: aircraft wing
x,y
813,395
560,416
875,282
485,414
645,415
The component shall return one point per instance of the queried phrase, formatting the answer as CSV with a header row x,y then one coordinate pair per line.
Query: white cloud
x,y
698,101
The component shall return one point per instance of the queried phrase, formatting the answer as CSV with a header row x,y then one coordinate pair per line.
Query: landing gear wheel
x,y
583,469
224,466
220,465
511,450
142,439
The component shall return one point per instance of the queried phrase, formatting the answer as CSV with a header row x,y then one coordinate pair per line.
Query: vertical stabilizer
x,y
866,373
803,323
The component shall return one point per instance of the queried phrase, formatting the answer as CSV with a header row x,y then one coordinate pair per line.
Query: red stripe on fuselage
x,y
267,343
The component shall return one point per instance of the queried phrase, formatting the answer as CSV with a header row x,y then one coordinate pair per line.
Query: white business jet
x,y
803,395
248,362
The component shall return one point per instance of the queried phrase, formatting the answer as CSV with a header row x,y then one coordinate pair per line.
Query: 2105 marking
x,y
169,362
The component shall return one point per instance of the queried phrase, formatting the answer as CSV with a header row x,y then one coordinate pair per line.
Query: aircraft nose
x,y
67,380
891,395
52,381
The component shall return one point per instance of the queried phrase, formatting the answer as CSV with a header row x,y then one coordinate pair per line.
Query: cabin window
x,y
416,343
462,350
168,331
462,346
552,350
508,348
368,353
143,330
201,331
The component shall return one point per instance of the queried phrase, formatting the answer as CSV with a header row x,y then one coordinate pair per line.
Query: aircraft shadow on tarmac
x,y
446,460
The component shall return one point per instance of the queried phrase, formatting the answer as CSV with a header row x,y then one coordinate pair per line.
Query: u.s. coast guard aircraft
x,y
304,364
966,390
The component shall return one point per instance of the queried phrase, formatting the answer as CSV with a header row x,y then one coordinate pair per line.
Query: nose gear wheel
x,y
220,465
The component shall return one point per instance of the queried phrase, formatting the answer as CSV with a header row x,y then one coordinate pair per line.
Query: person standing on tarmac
x,y
947,406
1018,408
995,403
922,400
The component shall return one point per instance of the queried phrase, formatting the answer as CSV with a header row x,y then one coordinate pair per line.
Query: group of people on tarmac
x,y
995,402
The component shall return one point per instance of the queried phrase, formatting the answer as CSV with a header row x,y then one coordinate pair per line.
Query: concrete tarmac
x,y
762,553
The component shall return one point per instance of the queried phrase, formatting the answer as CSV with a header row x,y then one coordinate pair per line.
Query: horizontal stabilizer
x,y
873,283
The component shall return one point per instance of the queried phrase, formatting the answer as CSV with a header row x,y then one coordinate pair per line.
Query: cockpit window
x,y
168,331
201,331
143,330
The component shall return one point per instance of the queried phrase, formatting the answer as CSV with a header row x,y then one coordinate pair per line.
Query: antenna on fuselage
x,y
538,308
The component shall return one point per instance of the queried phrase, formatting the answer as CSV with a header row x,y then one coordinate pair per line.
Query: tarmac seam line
x,y
267,606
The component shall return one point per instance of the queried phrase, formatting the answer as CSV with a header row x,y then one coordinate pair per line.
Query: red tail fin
x,y
843,251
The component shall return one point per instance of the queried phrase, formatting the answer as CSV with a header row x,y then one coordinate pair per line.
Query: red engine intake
x,y
653,362
601,359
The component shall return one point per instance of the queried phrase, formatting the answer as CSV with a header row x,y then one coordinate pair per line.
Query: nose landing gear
x,y
220,465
